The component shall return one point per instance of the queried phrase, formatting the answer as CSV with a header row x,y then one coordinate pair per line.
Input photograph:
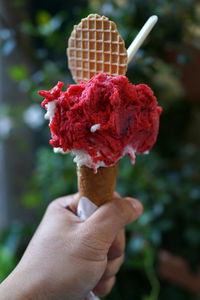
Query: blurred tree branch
x,y
12,15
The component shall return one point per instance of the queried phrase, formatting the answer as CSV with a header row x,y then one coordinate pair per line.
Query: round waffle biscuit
x,y
96,46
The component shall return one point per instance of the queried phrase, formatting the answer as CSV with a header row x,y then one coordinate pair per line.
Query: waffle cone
x,y
97,187
96,46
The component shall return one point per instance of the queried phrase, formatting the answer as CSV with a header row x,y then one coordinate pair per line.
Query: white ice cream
x,y
59,150
95,127
51,106
146,152
82,158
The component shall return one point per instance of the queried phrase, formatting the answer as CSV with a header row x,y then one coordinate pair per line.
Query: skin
x,y
67,257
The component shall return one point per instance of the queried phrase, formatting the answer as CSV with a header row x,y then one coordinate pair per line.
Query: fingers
x,y
104,287
113,267
65,206
118,246
108,279
70,202
115,260
115,256
111,217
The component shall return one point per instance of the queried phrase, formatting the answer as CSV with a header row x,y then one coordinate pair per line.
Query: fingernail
x,y
137,205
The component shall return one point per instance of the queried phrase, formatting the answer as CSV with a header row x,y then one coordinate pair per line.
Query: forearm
x,y
26,284
18,286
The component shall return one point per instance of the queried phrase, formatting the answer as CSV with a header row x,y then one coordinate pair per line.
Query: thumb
x,y
112,216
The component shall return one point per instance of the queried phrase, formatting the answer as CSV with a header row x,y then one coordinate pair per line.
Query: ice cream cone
x,y
97,187
96,46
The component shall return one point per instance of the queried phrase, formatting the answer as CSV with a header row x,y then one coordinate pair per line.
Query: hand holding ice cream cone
x,y
101,120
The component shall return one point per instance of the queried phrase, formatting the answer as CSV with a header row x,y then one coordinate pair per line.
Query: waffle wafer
x,y
96,46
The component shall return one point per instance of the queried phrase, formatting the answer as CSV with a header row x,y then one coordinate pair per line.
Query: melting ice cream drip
x,y
131,152
51,107
82,158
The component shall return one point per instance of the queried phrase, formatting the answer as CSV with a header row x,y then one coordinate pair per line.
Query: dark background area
x,y
163,246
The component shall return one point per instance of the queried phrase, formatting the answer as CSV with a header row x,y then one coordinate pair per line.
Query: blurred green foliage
x,y
12,243
167,180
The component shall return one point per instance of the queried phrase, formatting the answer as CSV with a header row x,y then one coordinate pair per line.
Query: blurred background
x,y
163,246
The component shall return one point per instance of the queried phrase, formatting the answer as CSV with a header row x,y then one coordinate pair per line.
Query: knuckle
x,y
52,205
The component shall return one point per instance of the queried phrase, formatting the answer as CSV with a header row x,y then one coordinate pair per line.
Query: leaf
x,y
43,17
18,72
32,200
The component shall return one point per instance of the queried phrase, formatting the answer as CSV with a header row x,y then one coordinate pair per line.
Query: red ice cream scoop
x,y
107,117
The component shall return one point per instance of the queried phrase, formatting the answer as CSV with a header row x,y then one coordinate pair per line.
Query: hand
x,y
67,257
